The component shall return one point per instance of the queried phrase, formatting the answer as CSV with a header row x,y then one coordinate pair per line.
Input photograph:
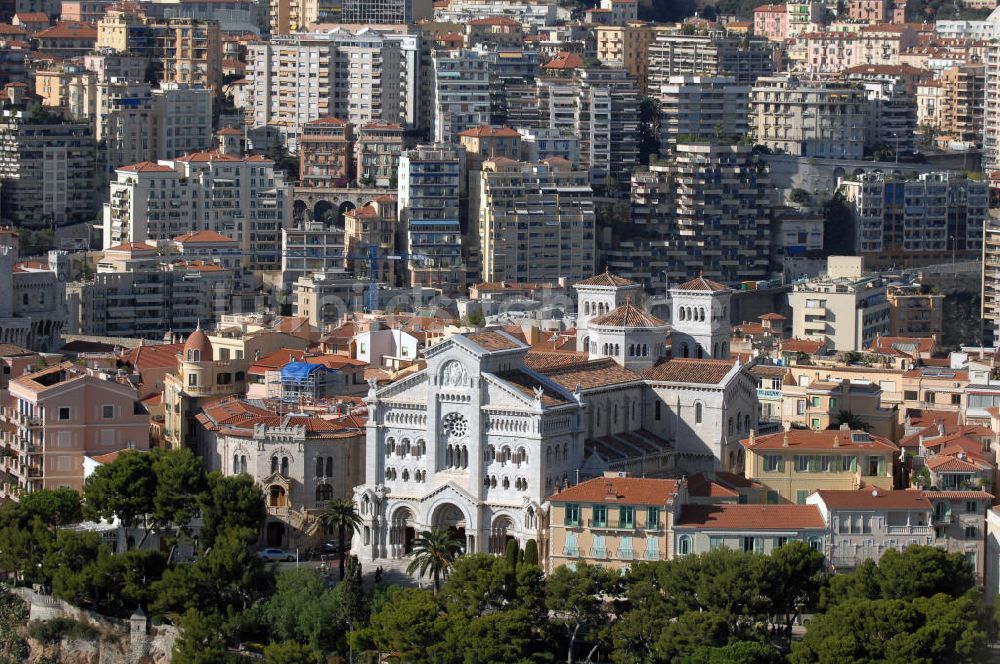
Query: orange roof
x,y
770,8
702,487
901,69
327,121
69,30
905,346
204,236
589,374
606,279
871,498
953,464
32,17
564,60
364,211
619,490
153,356
107,457
807,346
8,29
702,284
826,439
492,341
489,131
229,131
751,517
690,370
772,316
627,315
132,246
958,495
146,167
207,155
494,20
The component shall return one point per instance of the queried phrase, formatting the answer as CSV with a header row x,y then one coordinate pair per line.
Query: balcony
x,y
613,524
908,530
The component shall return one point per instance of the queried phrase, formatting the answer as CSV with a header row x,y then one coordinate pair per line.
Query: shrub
x,y
57,629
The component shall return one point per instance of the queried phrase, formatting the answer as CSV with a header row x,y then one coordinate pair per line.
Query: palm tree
x,y
340,514
852,420
434,551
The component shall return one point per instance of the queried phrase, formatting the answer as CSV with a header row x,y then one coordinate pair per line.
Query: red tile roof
x,y
807,346
590,375
702,487
492,341
690,370
958,495
153,356
951,464
627,315
872,499
827,439
494,20
619,490
606,279
69,30
770,8
132,246
751,517
702,284
772,316
204,236
564,60
146,167
489,131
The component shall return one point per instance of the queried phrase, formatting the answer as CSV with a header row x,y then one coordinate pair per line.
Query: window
x,y
801,463
780,541
833,402
800,496
656,408
772,463
956,399
192,380
714,542
874,466
971,507
824,463
816,423
697,413
971,532
107,412
800,407
64,413
847,463
683,545
814,543
572,515
910,395
652,518
815,402
772,497
753,544
626,516
600,516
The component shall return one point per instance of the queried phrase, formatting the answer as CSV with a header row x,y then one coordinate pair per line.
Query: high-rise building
x,y
46,170
809,118
430,181
963,101
385,12
991,281
461,88
536,221
288,16
704,211
360,77
182,119
893,116
710,53
626,46
934,218
991,108
698,107
244,198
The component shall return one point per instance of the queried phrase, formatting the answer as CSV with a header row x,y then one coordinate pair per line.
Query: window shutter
x,y
881,466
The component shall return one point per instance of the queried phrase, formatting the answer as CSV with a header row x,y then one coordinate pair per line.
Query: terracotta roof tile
x,y
489,131
526,384
564,60
12,350
690,370
952,464
146,167
493,341
153,356
703,284
807,346
872,498
627,315
619,490
204,236
69,30
958,495
770,8
703,487
606,279
591,375
772,316
826,439
751,517
132,246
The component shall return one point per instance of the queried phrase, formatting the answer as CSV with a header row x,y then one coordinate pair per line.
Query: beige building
x,y
915,311
288,16
536,221
809,118
57,416
843,307
612,521
627,45
750,528
794,463
818,405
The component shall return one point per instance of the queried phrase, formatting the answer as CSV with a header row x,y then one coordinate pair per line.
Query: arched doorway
x,y
402,532
277,496
500,534
275,533
451,518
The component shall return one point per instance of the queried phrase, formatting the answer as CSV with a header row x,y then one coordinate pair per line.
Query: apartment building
x,y
709,53
963,101
361,76
915,311
809,118
370,234
771,21
325,154
310,247
461,89
46,170
792,464
240,197
613,521
182,120
705,211
376,154
991,108
59,415
701,107
289,16
626,46
935,218
843,307
893,116
385,12
817,403
536,221
430,182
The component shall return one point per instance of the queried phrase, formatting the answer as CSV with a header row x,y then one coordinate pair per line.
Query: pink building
x,y
57,416
771,21
877,11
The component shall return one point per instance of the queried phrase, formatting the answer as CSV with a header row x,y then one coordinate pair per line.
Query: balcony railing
x,y
612,524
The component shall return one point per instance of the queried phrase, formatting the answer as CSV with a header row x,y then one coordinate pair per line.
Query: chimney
x,y
784,440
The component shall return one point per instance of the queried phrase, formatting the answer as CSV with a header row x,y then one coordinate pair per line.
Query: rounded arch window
x,y
684,545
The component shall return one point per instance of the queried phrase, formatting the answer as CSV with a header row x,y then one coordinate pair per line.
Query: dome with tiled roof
x,y
198,347
627,315
700,283
606,278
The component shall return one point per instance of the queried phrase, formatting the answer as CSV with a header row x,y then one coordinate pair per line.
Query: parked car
x,y
276,555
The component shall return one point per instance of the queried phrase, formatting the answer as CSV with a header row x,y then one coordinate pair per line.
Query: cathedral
x,y
477,441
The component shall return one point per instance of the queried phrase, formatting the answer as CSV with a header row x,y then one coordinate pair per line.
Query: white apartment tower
x,y
461,88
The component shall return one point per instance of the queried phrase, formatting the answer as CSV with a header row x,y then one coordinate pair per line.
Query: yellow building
x,y
818,405
627,44
792,464
612,521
